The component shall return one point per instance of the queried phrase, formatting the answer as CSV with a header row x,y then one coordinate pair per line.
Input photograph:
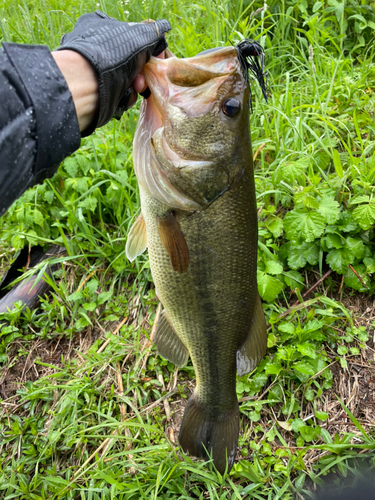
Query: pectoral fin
x,y
254,347
137,239
174,243
168,343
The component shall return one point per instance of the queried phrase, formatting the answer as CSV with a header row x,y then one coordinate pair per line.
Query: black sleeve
x,y
38,121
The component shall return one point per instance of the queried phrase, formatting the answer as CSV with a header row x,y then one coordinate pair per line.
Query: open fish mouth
x,y
188,84
180,89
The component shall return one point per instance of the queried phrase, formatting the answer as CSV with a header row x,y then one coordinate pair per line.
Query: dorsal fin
x,y
137,239
173,241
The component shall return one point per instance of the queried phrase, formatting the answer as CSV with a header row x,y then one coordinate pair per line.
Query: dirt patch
x,y
356,386
21,369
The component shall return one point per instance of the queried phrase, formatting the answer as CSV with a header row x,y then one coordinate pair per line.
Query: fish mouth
x,y
179,83
187,86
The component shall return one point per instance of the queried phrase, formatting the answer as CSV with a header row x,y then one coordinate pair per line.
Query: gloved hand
x,y
117,51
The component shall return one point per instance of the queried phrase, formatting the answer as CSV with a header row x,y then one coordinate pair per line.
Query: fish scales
x,y
199,222
215,296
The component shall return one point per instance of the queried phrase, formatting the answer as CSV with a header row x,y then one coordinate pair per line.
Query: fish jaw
x,y
173,161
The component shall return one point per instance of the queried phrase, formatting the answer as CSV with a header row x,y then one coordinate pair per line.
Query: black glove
x,y
117,51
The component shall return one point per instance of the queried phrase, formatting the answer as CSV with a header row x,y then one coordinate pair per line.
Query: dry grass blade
x,y
118,328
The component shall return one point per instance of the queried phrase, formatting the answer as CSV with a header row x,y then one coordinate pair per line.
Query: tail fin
x,y
204,429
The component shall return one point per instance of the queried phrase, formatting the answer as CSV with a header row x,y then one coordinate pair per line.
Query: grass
x,y
89,409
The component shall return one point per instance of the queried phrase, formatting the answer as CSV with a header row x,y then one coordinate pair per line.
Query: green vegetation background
x,y
314,145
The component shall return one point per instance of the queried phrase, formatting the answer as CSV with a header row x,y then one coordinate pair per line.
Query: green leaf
x,y
307,349
297,424
90,306
276,227
354,350
48,196
310,395
313,326
310,252
90,203
297,254
317,6
75,296
334,241
92,286
32,237
346,222
304,368
20,215
18,242
304,224
326,436
79,184
84,163
268,286
273,267
337,163
38,217
329,209
286,327
104,297
360,18
362,198
339,260
303,198
342,350
292,171
84,315
370,264
71,166
356,247
294,279
321,415
122,176
310,433
310,202
254,416
354,282
343,363
81,323
365,215
296,259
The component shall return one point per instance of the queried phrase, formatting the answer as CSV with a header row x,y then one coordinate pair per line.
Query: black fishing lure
x,y
251,57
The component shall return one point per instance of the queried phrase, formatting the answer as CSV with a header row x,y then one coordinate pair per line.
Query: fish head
x,y
193,140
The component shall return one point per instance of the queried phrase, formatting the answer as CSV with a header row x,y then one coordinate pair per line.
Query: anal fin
x,y
254,348
168,343
136,243
173,241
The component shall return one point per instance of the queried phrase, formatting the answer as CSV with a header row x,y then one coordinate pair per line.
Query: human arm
x,y
82,83
40,123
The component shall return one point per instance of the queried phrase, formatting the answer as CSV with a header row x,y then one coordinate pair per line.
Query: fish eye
x,y
231,107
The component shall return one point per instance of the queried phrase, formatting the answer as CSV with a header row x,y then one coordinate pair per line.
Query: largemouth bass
x,y
193,161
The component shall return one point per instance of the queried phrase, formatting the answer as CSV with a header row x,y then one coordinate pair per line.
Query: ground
x,y
354,386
